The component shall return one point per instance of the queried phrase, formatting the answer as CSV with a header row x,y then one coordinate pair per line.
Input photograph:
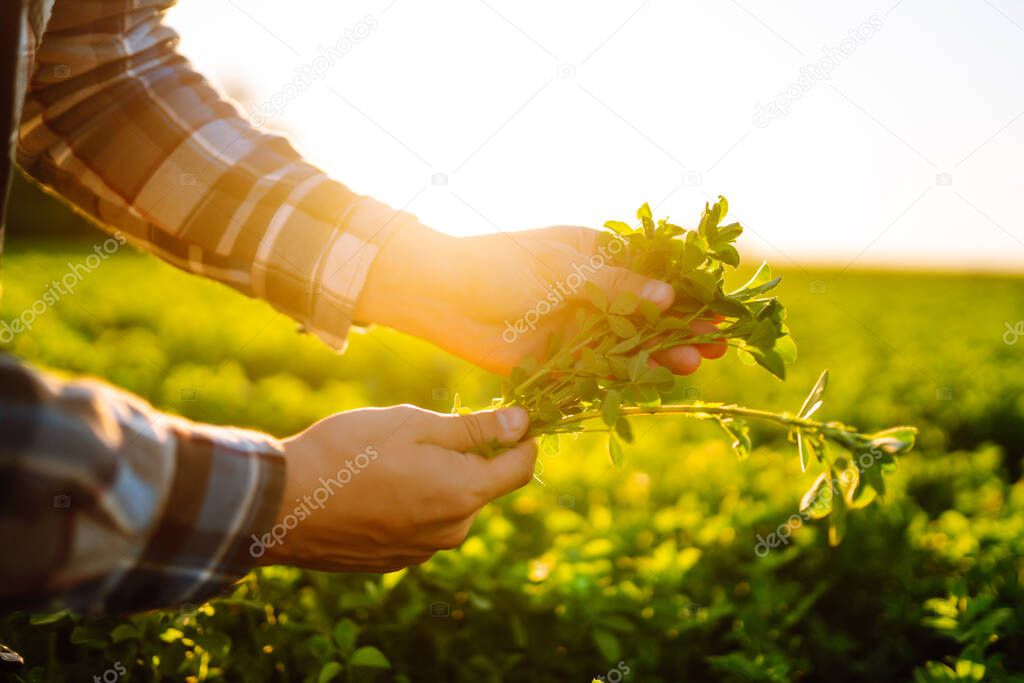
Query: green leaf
x,y
761,276
786,348
622,327
645,395
859,493
850,481
596,296
320,646
728,233
627,345
727,253
814,399
894,441
805,447
738,429
701,285
615,453
610,407
694,252
873,477
637,365
619,227
816,503
345,633
770,309
650,311
369,656
329,672
666,324
762,335
837,520
620,367
623,429
660,377
124,632
93,636
607,644
724,205
709,222
625,303
770,361
644,214
744,295
40,619
729,307
591,362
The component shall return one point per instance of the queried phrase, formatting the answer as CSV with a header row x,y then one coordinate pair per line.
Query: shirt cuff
x,y
314,271
226,492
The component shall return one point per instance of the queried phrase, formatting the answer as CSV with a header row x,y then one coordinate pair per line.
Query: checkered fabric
x,y
105,504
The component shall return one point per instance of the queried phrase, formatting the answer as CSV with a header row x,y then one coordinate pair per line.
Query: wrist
x,y
407,277
273,542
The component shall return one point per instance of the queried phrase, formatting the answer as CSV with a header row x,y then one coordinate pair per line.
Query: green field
x,y
592,571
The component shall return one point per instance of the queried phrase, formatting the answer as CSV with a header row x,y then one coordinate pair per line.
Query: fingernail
x,y
513,421
658,292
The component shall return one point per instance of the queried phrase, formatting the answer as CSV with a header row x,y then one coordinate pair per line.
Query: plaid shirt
x,y
112,506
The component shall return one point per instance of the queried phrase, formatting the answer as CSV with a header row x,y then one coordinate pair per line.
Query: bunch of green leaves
x,y
602,371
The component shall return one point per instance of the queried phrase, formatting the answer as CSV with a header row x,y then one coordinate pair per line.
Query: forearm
x,y
118,123
409,280
114,507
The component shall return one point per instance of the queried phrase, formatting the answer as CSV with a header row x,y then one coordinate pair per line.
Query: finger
x,y
504,473
614,281
463,433
681,360
702,328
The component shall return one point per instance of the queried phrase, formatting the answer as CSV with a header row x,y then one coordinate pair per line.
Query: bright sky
x,y
541,113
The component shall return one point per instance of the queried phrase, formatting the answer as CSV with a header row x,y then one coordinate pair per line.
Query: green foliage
x,y
660,555
604,370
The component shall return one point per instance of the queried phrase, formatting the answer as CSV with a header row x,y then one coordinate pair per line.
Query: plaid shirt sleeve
x,y
107,506
117,122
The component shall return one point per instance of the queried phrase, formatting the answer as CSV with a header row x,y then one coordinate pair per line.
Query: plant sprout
x,y
598,377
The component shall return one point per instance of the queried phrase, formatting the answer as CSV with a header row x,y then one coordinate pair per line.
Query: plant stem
x,y
715,410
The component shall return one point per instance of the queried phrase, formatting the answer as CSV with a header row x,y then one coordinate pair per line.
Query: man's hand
x,y
380,489
495,299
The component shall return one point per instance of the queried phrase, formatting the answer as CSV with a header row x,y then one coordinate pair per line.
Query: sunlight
x,y
502,116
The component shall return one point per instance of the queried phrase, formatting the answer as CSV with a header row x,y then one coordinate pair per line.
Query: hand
x,y
379,489
494,299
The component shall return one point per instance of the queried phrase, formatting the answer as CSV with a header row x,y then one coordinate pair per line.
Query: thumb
x,y
465,432
614,281
506,472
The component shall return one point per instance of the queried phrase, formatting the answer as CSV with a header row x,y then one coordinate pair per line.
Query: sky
x,y
856,134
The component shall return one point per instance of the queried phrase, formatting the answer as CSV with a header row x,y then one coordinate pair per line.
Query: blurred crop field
x,y
649,573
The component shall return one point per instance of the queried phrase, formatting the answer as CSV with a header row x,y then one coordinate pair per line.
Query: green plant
x,y
977,623
603,371
660,558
